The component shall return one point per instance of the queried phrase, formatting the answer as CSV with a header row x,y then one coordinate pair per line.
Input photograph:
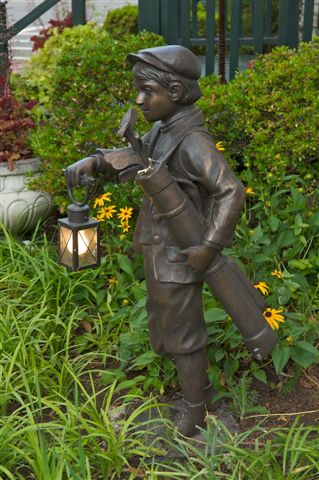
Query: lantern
x,y
79,236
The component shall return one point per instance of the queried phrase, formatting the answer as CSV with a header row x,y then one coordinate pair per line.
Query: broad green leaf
x,y
100,295
307,346
280,356
298,199
215,315
300,264
302,357
144,359
219,354
285,239
283,293
260,375
125,264
273,222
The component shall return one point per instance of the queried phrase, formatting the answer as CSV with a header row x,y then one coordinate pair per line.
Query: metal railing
x,y
6,33
270,22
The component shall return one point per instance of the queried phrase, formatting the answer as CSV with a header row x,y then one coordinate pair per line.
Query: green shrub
x,y
268,116
87,89
122,21
38,76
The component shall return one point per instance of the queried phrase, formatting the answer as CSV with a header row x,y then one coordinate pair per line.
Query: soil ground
x,y
283,403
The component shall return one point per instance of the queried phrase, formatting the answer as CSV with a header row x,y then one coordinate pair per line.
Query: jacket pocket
x,y
174,255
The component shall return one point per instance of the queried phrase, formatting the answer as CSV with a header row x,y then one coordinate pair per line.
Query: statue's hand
x,y
74,172
199,257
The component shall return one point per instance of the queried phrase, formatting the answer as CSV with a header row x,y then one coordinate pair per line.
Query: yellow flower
x,y
122,236
99,201
277,273
262,287
273,317
113,281
125,214
250,191
125,227
219,146
106,212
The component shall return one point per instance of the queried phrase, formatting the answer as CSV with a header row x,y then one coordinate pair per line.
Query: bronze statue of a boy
x,y
180,253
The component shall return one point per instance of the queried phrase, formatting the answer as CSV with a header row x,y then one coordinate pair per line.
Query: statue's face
x,y
154,100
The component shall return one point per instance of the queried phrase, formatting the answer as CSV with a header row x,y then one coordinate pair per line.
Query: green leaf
x,y
230,367
283,294
285,239
145,359
273,222
125,264
100,295
308,347
258,234
138,292
215,315
298,199
302,357
125,385
280,356
260,375
299,222
314,220
300,264
219,354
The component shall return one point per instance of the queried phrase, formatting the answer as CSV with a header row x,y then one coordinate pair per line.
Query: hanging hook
x,y
86,182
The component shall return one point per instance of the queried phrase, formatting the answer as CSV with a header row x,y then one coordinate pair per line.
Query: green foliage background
x,y
84,84
268,116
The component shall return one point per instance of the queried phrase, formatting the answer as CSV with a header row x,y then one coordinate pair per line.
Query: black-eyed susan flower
x,y
125,227
99,201
125,214
220,147
106,212
262,287
249,191
277,273
273,316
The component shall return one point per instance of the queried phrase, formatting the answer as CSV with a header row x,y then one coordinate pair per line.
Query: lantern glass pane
x,y
66,246
87,247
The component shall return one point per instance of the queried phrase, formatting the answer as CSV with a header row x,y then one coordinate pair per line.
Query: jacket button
x,y
157,239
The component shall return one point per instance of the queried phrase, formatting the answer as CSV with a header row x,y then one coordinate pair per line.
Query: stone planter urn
x,y
21,208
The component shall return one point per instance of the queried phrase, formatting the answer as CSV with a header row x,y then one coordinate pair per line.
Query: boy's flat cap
x,y
170,58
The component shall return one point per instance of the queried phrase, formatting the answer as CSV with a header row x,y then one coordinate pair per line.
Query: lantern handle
x,y
86,182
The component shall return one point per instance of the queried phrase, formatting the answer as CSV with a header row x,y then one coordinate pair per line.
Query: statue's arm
x,y
207,167
120,164
115,165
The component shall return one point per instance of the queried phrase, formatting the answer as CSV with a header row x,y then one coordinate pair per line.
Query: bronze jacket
x,y
205,176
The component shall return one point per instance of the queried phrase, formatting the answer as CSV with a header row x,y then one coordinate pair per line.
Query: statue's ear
x,y
176,91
